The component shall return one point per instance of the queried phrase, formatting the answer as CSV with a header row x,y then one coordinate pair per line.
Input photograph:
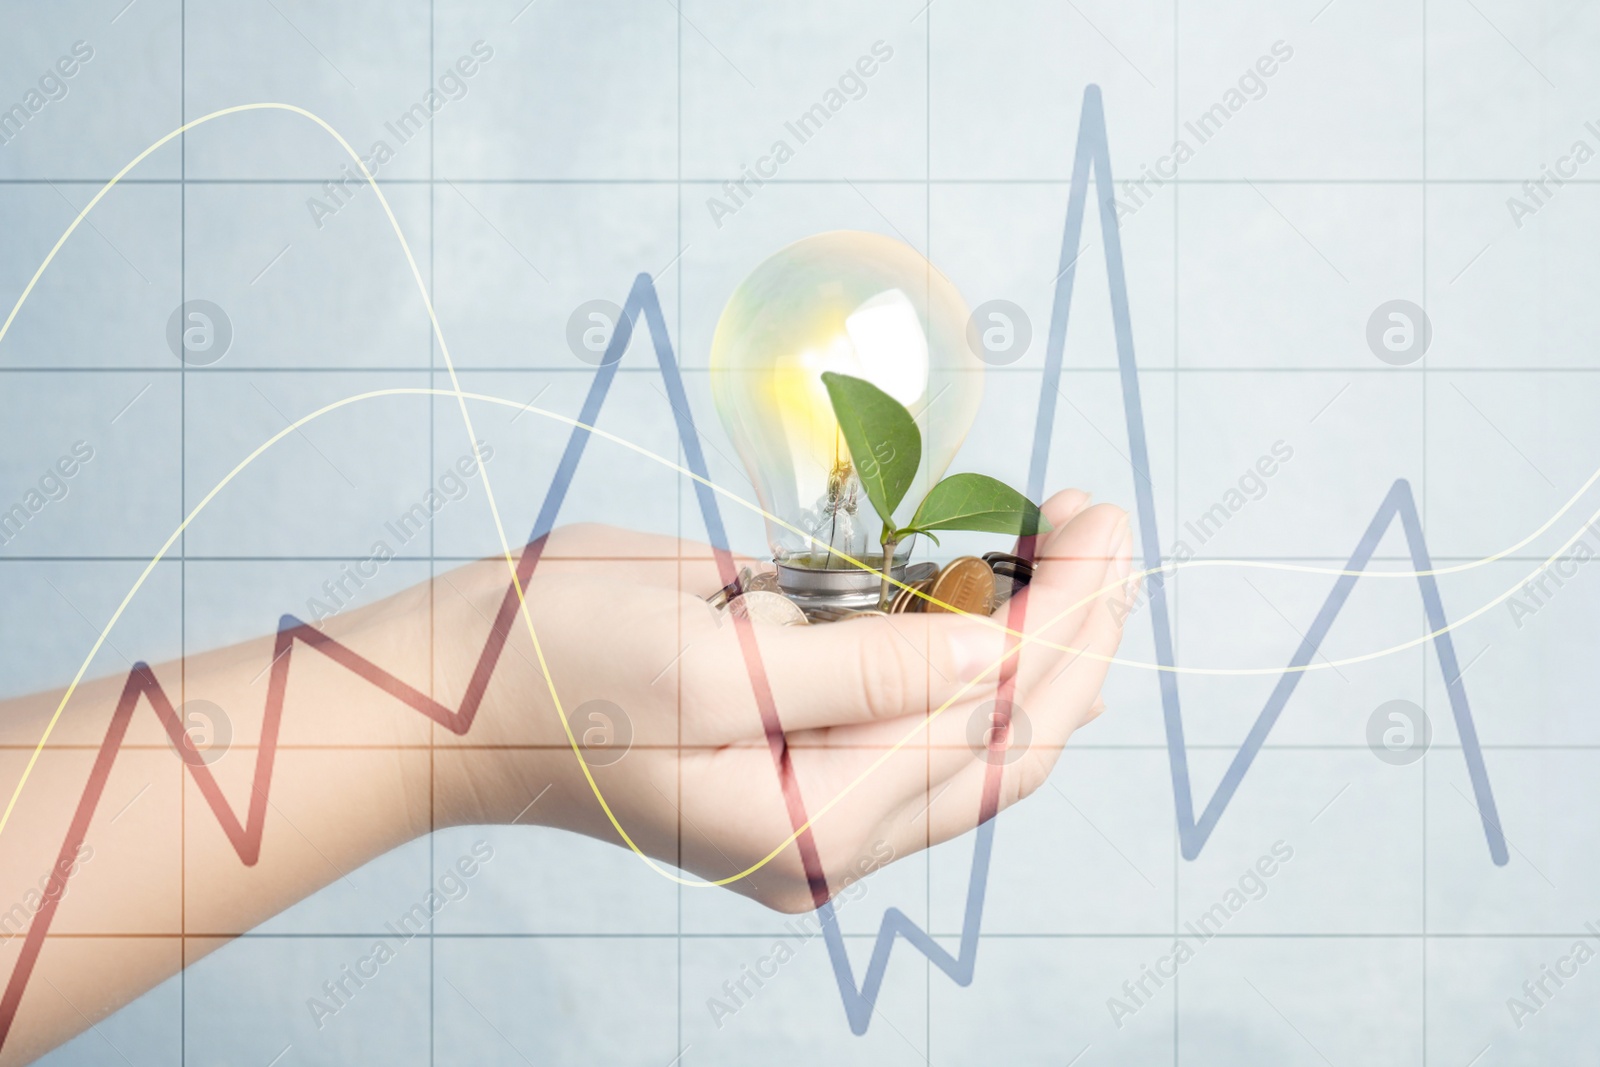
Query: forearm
x,y
163,859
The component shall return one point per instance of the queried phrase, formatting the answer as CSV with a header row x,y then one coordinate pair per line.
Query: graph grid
x,y
1394,153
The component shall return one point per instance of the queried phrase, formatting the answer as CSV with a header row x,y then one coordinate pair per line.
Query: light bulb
x,y
860,304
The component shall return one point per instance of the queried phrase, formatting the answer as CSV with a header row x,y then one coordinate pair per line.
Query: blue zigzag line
x,y
1092,154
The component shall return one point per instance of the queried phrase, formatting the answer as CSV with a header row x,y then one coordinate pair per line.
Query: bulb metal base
x,y
814,587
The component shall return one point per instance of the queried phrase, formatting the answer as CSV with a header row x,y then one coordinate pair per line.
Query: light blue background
x,y
1376,166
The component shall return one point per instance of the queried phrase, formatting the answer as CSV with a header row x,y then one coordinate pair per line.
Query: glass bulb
x,y
860,304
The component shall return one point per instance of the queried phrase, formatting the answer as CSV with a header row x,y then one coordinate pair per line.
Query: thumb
x,y
873,668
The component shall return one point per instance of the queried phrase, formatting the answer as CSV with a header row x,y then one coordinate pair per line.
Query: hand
x,y
620,617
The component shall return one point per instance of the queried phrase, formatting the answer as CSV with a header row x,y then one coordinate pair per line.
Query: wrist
x,y
498,766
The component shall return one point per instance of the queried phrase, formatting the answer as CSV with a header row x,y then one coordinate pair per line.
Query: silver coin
x,y
720,598
1004,589
761,606
826,614
765,582
920,572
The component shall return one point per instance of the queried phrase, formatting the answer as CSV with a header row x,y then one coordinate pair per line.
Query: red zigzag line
x,y
246,839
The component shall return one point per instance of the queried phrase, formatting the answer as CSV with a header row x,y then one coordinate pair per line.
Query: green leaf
x,y
885,444
977,502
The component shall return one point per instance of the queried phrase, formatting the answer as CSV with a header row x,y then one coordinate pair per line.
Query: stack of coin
x,y
968,584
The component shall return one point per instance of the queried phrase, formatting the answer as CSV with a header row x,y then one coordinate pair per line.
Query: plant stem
x,y
884,600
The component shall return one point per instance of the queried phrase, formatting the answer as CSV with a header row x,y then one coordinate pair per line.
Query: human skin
x,y
620,617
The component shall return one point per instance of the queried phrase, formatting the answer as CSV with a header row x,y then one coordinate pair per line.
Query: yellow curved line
x,y
462,397
910,735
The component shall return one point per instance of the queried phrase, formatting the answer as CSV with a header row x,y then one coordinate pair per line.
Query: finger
x,y
946,737
915,752
1060,509
1061,703
1072,583
1051,713
898,758
868,685
1071,566
864,670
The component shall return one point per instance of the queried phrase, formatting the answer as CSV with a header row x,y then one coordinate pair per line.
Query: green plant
x,y
886,448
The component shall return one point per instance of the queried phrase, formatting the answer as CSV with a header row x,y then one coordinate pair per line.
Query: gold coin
x,y
965,584
760,606
907,601
902,602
